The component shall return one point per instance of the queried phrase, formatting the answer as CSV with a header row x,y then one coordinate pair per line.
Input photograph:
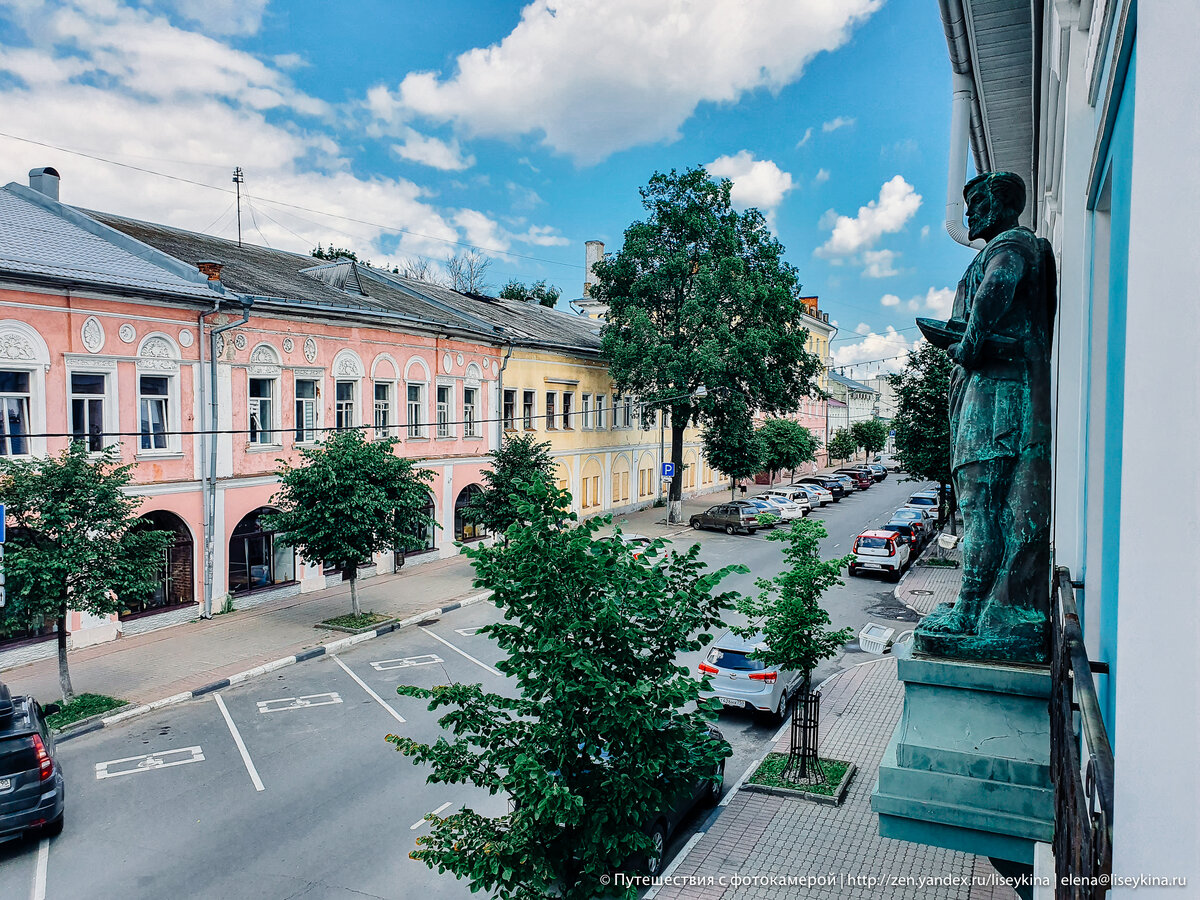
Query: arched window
x,y
256,558
463,529
176,578
427,534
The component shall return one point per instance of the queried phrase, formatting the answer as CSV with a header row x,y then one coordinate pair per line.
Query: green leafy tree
x,y
922,420
519,462
351,498
333,253
700,294
842,445
786,445
74,541
546,296
870,434
606,729
788,608
731,443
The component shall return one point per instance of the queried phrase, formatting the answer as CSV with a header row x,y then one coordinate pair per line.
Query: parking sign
x,y
669,470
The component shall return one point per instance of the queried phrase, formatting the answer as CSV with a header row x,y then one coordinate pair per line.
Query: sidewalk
x,y
923,587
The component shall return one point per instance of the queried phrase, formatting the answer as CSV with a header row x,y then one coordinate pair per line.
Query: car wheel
x,y
652,865
896,576
712,794
695,523
729,529
781,713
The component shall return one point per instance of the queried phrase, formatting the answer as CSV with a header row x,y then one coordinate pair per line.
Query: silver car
x,y
740,681
788,511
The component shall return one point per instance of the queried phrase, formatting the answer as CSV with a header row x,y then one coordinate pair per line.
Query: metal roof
x,y
851,384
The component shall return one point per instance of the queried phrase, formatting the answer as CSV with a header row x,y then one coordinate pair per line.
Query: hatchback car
x,y
880,551
911,531
789,497
880,470
728,517
31,781
836,489
741,681
926,500
862,478
764,508
922,517
817,496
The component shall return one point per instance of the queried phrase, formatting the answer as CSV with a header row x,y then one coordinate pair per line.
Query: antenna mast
x,y
238,178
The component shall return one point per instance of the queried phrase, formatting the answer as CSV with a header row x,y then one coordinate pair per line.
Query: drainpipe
x,y
500,388
206,602
964,97
210,502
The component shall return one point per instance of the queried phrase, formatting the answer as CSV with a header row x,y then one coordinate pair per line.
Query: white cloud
x,y
821,177
241,17
890,300
898,202
596,76
936,301
804,140
924,232
839,122
289,61
433,152
862,328
873,348
541,236
880,263
758,183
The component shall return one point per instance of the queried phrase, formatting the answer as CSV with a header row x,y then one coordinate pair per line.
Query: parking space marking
x,y
406,662
362,684
39,873
270,706
241,745
468,632
147,762
415,825
462,652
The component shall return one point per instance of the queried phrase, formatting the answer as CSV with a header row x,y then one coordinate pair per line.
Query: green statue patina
x,y
999,336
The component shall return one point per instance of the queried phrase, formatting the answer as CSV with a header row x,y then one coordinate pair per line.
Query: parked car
x,y
880,551
798,496
817,495
910,531
728,517
765,508
834,485
879,469
31,782
927,500
862,478
849,485
789,511
742,681
918,517
637,542
892,464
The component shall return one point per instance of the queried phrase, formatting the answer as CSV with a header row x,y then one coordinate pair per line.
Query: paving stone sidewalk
x,y
923,587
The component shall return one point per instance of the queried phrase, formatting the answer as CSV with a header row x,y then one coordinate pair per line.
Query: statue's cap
x,y
1008,186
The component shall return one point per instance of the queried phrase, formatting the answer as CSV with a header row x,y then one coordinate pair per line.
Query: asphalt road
x,y
284,787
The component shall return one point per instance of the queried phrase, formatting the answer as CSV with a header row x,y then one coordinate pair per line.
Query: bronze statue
x,y
999,337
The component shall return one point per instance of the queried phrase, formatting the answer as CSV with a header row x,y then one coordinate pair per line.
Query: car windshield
x,y
734,659
923,501
873,543
908,514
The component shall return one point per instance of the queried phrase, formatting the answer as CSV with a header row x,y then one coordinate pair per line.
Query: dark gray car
x,y
31,782
728,517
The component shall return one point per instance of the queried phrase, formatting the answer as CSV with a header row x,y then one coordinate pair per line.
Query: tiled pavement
x,y
923,587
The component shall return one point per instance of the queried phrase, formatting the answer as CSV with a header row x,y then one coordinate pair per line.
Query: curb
x,y
834,800
96,724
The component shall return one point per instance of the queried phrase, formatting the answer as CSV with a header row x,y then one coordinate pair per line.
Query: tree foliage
x,y
467,271
517,290
922,420
788,608
519,462
786,444
700,294
731,443
842,445
74,540
350,498
605,731
333,253
870,434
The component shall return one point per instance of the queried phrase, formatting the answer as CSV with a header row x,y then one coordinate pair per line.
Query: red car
x,y
863,478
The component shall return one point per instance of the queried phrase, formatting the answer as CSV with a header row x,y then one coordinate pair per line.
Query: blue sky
x,y
524,129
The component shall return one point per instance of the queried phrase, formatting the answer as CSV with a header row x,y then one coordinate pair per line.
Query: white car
x,y
787,510
880,551
796,495
924,500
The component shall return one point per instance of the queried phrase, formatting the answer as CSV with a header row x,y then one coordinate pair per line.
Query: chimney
x,y
45,181
211,268
595,253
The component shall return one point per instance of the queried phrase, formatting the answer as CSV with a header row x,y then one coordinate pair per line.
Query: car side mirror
x,y
50,709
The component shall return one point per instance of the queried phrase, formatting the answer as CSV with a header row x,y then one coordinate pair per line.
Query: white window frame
x,y
387,429
567,401
158,356
508,421
298,425
471,420
443,419
26,395
355,404
529,422
110,407
600,412
170,403
29,353
274,437
551,414
585,411
416,430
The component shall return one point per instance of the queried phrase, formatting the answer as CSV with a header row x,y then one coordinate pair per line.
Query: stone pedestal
x,y
968,767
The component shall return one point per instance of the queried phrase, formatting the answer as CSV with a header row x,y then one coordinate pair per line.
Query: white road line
x,y
366,687
237,739
462,653
39,874
309,700
149,762
437,812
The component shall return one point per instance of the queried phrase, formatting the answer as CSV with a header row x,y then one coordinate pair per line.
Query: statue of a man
x,y
999,337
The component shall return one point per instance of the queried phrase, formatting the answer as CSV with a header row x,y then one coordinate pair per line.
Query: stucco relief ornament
x,y
445,362
219,344
157,354
458,359
288,345
239,341
347,366
14,346
310,350
127,333
185,338
495,369
92,335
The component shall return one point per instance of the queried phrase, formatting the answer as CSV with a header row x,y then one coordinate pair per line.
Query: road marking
x,y
269,706
462,652
406,662
39,873
468,632
423,821
237,739
366,687
147,761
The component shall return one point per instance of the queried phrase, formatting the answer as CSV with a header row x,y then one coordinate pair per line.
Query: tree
x,y
546,296
74,541
418,268
467,271
842,445
700,294
870,434
349,499
786,444
922,420
606,730
519,462
333,253
731,445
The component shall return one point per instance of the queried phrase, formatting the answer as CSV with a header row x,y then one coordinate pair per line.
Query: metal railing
x,y
1081,758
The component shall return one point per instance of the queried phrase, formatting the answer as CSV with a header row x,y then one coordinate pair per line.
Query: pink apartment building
x,y
107,333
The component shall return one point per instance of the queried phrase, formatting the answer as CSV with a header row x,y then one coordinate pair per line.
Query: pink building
x,y
108,329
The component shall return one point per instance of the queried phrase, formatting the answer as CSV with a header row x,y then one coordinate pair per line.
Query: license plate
x,y
5,785
735,704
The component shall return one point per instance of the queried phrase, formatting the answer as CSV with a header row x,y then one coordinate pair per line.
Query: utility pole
x,y
238,178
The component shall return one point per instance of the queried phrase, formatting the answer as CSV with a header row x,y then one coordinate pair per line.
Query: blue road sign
x,y
668,470
1,523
